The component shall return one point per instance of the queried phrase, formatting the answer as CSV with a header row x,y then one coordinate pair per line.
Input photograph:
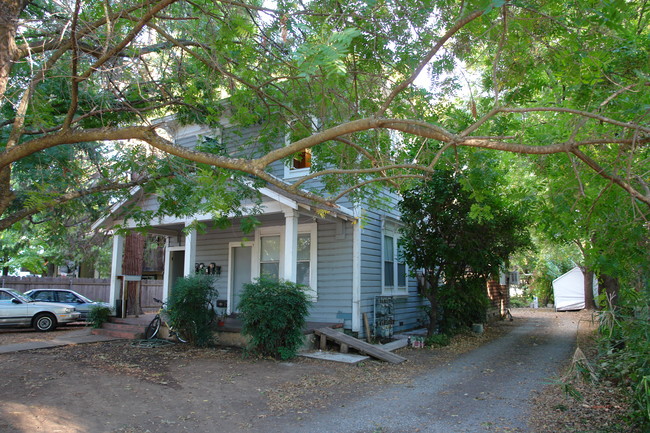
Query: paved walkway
x,y
73,337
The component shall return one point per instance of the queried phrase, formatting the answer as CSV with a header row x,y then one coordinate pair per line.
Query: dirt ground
x,y
138,387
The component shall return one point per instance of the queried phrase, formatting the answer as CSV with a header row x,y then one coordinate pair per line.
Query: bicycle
x,y
155,324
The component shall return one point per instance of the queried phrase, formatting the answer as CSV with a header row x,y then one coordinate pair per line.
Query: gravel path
x,y
486,390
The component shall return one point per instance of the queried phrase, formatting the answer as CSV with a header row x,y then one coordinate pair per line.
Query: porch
x,y
227,334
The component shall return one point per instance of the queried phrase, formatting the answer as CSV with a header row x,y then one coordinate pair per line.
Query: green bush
x,y
98,315
463,305
273,314
189,308
625,344
437,340
520,301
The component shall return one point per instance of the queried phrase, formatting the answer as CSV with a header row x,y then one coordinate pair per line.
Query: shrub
x,y
273,314
98,315
189,308
437,340
625,344
463,305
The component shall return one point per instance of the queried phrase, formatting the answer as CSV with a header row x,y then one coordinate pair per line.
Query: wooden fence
x,y
97,289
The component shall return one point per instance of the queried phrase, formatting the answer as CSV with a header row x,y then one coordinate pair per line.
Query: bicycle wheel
x,y
152,328
180,337
184,334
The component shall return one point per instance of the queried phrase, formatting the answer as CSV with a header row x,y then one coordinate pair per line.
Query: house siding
x,y
408,312
334,264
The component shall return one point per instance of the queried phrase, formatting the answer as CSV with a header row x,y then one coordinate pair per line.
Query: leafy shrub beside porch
x,y
98,316
273,314
190,310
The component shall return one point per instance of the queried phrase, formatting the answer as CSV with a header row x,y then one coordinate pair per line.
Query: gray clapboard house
x,y
347,256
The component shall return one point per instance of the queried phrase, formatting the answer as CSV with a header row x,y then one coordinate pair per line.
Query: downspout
x,y
356,271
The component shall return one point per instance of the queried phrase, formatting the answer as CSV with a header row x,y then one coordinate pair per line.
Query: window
x,y
301,162
45,296
389,262
270,256
270,241
68,297
303,270
395,272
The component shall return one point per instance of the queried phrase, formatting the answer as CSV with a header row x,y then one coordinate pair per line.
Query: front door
x,y
176,268
241,273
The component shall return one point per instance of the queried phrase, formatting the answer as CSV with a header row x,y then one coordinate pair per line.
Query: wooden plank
x,y
323,342
366,327
361,346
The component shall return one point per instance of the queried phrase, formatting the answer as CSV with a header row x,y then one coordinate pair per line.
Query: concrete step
x,y
129,329
140,327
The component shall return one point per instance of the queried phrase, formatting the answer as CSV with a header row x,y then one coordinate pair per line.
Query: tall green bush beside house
x,y
190,308
274,313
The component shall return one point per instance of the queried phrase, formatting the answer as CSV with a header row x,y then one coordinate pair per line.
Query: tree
x,y
537,78
458,242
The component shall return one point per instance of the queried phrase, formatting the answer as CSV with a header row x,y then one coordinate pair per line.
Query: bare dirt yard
x,y
138,387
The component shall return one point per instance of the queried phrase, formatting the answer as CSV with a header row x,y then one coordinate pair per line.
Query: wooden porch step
x,y
121,328
346,341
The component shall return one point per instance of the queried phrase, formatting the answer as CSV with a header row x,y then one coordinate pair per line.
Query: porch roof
x,y
272,192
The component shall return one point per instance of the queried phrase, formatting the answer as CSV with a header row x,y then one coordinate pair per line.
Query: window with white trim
x,y
270,255
395,280
301,162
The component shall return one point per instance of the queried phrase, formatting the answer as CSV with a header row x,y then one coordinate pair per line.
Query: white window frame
x,y
391,229
312,230
289,171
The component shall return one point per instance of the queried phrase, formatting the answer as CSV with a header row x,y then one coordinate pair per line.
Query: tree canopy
x,y
83,82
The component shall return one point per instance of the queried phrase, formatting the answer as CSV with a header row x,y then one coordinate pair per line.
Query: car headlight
x,y
68,310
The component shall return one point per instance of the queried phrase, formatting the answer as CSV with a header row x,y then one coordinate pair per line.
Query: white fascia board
x,y
279,198
97,224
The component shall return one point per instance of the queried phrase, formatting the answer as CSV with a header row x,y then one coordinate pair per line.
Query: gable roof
x,y
274,193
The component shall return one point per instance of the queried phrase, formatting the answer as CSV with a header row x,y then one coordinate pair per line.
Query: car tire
x,y
44,322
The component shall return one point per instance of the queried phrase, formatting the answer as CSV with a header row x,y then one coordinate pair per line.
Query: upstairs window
x,y
301,161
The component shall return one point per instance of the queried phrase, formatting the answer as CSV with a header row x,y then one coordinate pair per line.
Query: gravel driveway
x,y
125,387
486,390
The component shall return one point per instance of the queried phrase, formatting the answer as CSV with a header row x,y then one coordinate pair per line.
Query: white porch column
x,y
190,252
116,269
356,273
167,271
290,245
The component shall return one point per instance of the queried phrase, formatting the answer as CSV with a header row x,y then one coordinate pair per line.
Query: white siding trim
x,y
356,275
116,267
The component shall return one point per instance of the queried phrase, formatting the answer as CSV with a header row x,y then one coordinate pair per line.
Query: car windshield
x,y
83,298
18,295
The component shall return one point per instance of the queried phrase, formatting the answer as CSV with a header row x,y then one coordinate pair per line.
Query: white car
x,y
66,296
19,310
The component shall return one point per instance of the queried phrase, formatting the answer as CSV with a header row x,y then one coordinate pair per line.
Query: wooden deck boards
x,y
348,341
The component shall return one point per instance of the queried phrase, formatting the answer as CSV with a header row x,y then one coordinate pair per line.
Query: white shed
x,y
569,290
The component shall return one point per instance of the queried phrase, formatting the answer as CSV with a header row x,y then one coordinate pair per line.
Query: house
x,y
346,254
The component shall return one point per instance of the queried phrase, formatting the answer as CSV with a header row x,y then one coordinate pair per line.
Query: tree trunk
x,y
430,291
611,287
132,265
589,289
9,12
